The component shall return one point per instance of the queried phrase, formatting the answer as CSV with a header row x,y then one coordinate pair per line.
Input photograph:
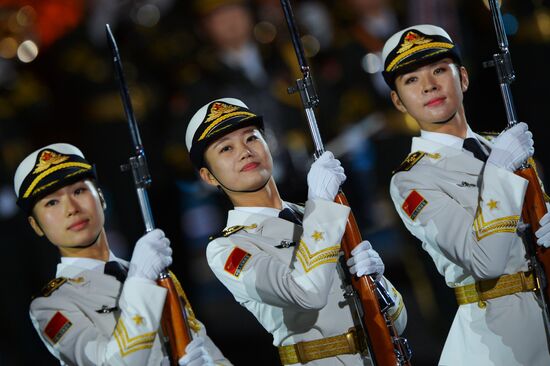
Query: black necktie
x,y
471,144
116,269
289,215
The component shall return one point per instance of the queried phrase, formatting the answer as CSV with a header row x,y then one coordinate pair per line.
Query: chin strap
x,y
244,191
447,120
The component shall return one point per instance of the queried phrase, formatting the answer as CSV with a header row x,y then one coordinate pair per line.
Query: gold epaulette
x,y
231,230
410,161
51,287
227,232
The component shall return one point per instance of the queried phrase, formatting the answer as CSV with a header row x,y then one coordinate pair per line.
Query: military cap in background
x,y
213,120
48,169
416,46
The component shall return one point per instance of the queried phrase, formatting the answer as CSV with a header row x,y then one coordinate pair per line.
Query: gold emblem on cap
x,y
218,109
412,39
47,159
220,112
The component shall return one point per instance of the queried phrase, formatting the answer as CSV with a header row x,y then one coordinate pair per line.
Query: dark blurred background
x,y
57,85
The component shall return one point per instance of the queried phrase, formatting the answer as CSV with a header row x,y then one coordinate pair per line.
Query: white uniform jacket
x,y
465,213
92,319
293,291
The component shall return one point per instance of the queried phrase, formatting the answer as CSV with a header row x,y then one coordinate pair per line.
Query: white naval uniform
x,y
468,245
292,291
95,320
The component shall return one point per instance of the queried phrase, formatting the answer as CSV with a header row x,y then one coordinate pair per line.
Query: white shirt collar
x,y
447,139
87,263
266,211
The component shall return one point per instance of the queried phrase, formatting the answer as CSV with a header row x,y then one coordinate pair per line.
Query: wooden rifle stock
x,y
174,321
377,324
534,208
385,346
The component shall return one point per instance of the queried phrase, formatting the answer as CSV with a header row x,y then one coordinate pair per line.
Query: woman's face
x,y
239,161
71,217
431,94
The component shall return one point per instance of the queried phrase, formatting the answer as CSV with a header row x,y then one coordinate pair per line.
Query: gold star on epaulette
x,y
317,236
492,204
138,319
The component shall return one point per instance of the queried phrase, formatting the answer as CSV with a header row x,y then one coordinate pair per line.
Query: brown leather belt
x,y
498,287
304,352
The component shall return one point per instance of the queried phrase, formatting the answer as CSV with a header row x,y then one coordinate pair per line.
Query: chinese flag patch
x,y
57,327
236,261
413,204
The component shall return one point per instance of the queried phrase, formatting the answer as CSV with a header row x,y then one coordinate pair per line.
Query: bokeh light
x,y
27,51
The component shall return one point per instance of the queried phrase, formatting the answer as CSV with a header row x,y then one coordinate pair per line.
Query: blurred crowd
x,y
57,85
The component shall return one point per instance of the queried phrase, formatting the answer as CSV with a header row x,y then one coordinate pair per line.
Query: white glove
x,y
512,147
365,261
152,254
543,233
196,354
325,177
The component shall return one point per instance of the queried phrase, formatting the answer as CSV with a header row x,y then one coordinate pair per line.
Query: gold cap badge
x,y
47,159
412,39
218,109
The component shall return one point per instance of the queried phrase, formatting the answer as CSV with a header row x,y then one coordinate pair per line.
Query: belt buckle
x,y
481,301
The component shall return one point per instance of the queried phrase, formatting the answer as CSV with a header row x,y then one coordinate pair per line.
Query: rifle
x,y
534,207
369,299
175,326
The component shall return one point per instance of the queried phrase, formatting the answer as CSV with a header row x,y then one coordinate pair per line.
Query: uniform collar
x,y
447,139
265,211
449,157
72,266
264,221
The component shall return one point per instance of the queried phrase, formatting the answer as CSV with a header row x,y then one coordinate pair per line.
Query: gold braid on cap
x,y
52,170
413,43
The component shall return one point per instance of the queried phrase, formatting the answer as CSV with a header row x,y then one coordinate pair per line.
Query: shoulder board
x,y
231,230
51,287
488,135
227,232
410,161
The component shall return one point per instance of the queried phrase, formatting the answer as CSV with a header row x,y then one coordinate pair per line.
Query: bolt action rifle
x,y
369,299
534,207
175,326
